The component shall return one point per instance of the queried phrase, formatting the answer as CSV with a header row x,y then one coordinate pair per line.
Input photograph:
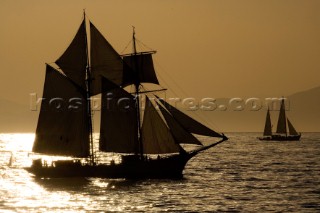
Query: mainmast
x,y
137,85
88,88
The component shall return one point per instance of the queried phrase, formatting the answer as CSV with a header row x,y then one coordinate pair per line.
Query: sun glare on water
x,y
18,141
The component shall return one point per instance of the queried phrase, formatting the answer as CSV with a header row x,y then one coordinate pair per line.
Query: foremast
x,y
88,93
137,95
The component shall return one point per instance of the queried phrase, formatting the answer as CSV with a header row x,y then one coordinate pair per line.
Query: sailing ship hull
x,y
65,129
280,138
164,167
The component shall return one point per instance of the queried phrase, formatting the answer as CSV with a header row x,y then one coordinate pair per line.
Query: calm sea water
x,y
240,175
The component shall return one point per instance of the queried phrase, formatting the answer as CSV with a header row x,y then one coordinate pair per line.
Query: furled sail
x,y
292,130
73,61
118,129
156,137
64,103
105,61
139,69
268,127
188,123
282,125
180,134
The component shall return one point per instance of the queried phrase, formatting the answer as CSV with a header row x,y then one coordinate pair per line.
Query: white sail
x,y
156,137
63,120
118,129
105,61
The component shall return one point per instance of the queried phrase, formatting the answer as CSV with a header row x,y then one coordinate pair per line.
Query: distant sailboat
x,y
282,133
148,144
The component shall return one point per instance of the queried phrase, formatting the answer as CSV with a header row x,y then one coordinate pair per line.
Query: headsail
x,y
105,61
156,137
188,123
178,132
64,103
118,132
292,130
73,61
268,127
282,125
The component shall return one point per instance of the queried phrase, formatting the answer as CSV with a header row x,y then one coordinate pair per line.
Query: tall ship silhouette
x,y
145,143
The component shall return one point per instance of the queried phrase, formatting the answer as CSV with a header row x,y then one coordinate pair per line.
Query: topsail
x,y
139,68
73,61
105,61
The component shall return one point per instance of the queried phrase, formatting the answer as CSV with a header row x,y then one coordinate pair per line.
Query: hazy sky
x,y
215,48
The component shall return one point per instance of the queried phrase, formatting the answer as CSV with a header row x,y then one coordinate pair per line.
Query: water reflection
x,y
241,175
63,184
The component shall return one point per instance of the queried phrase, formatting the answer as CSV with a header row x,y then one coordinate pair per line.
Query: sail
x,y
156,137
292,130
180,134
282,125
63,103
73,61
268,127
118,129
105,61
188,123
141,64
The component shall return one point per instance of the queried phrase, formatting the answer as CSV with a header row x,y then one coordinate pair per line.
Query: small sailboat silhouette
x,y
283,124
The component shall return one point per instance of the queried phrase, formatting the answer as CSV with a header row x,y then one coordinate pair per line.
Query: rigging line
x,y
140,42
144,86
52,63
199,116
126,47
70,41
145,90
171,78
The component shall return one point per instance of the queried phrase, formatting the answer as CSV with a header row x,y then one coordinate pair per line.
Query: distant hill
x,y
303,109
16,117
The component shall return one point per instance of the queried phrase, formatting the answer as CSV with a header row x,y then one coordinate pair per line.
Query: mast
x,y
137,84
88,88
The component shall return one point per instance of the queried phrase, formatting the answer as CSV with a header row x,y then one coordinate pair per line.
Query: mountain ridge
x,y
303,111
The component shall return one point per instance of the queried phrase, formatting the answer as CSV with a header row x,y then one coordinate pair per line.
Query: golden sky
x,y
210,48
